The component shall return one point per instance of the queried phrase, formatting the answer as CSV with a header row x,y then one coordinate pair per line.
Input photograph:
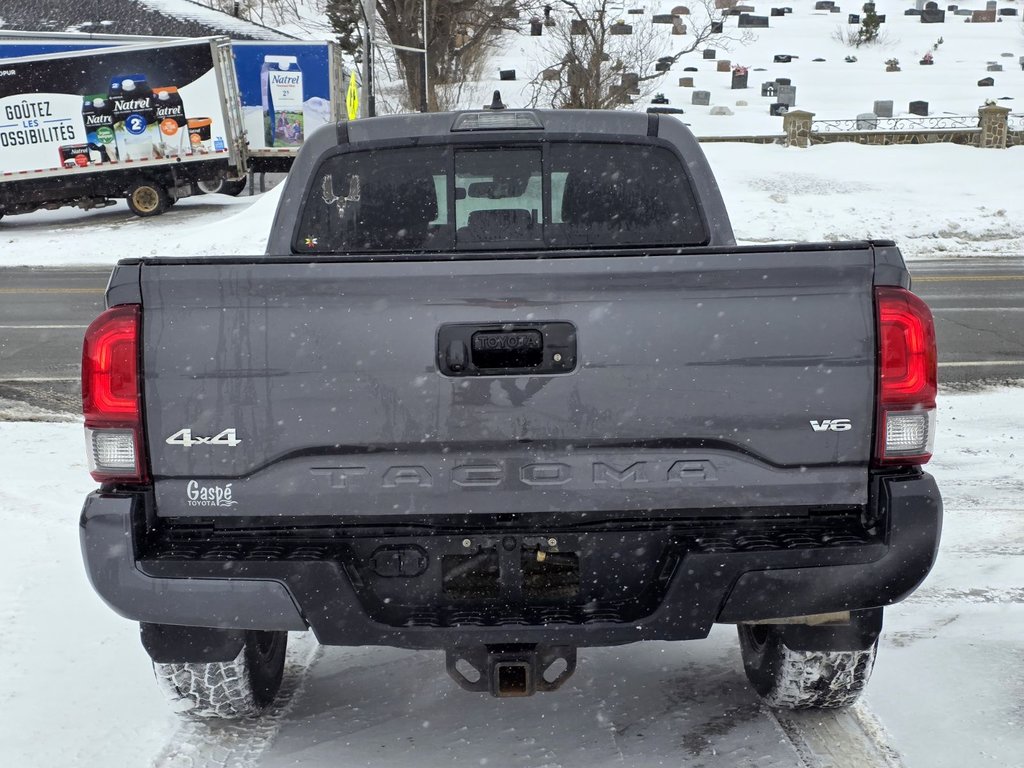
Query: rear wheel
x,y
788,679
231,187
233,689
148,198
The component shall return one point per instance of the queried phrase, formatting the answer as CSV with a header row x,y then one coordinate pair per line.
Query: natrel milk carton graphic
x,y
172,123
133,110
99,128
281,79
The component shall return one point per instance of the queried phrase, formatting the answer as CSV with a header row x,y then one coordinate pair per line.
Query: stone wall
x,y
967,136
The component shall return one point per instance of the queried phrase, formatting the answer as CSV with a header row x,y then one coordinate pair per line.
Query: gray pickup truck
x,y
504,385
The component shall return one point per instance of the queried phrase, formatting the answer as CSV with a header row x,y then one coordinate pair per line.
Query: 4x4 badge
x,y
184,438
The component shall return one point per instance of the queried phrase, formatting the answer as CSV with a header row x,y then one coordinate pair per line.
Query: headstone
x,y
635,11
817,61
880,17
783,81
777,110
659,98
621,29
782,58
536,26
709,53
741,103
680,10
853,18
724,65
994,67
931,6
720,4
701,98
1007,11
739,80
690,69
686,82
983,17
662,18
776,12
678,28
867,121
963,12
986,82
769,89
577,27
717,27
952,8
786,95
631,82
991,5
835,9
720,110
931,16
507,74
883,109
919,108
550,74
743,9
662,66
1006,55
823,5
752,22
868,7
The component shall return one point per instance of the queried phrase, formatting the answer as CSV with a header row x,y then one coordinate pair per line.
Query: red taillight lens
x,y
907,378
111,401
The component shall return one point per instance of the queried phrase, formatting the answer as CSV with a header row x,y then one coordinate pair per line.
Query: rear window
x,y
554,195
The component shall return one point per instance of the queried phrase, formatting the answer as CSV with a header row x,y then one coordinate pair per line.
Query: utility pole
x,y
370,17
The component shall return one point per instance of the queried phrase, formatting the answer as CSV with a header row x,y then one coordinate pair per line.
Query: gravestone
x,y
931,16
662,66
853,18
963,12
868,7
778,110
507,74
635,11
883,109
919,108
739,80
620,29
823,5
701,98
752,22
991,5
680,10
659,98
994,67
786,95
867,121
678,28
720,110
690,69
986,82
1007,11
817,61
1006,55
709,53
577,27
631,82
931,6
686,82
952,8
782,58
783,81
717,27
743,9
983,17
776,12
880,18
723,65
662,18
536,27
550,74
769,89
835,9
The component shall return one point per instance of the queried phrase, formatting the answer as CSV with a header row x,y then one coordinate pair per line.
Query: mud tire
x,y
231,187
148,198
788,679
227,690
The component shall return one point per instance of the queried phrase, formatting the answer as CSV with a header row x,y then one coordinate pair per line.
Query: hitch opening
x,y
511,670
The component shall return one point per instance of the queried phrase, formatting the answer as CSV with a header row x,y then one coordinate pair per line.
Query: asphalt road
x,y
978,306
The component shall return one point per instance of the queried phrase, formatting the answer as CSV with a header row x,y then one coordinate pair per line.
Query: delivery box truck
x,y
144,122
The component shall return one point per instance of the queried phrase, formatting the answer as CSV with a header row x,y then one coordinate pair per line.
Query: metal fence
x,y
912,123
1015,122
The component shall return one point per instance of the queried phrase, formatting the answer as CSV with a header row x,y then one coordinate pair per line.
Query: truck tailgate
x,y
704,383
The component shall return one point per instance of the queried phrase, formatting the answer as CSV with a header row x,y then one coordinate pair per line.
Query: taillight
x,y
111,399
907,379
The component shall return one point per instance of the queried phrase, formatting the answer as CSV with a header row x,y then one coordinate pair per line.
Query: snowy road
x,y
947,687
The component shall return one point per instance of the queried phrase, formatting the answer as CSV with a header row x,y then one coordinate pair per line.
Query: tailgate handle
x,y
499,349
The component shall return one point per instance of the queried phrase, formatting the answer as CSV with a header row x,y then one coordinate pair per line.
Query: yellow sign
x,y
352,98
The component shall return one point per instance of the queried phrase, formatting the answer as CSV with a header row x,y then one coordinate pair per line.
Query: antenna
x,y
496,101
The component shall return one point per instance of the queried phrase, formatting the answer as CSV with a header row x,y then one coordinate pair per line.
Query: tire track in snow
x,y
851,738
215,744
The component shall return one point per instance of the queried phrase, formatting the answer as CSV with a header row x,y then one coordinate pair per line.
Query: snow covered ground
x,y
78,691
939,199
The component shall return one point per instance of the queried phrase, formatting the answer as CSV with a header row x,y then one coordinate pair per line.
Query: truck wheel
x,y
788,679
148,198
227,689
231,187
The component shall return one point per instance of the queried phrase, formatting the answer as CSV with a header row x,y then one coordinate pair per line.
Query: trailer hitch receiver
x,y
511,670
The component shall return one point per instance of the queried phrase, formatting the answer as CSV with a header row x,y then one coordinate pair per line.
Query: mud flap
x,y
511,670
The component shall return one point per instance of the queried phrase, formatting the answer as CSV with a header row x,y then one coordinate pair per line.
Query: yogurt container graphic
x,y
171,123
99,128
200,133
281,82
133,110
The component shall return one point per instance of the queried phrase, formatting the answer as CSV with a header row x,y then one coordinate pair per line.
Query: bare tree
x,y
590,66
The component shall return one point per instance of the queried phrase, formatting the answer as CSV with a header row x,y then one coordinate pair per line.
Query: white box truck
x,y
143,122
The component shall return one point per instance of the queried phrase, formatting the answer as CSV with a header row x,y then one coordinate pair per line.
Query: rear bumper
x,y
703,580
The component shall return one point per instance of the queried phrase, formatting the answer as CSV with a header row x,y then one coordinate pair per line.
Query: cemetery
x,y
935,67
